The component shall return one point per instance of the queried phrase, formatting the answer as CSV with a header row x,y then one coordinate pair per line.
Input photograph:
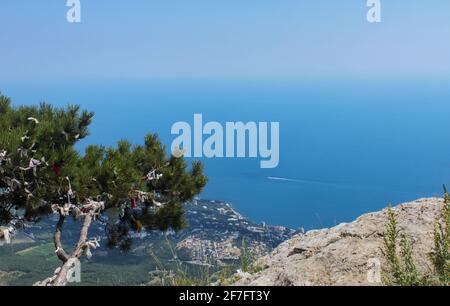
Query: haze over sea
x,y
346,148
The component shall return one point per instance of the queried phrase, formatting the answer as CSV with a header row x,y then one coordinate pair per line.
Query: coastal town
x,y
219,233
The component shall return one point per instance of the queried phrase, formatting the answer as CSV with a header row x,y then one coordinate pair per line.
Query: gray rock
x,y
348,254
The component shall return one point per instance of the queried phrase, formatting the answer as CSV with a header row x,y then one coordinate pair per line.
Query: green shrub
x,y
440,255
401,269
397,250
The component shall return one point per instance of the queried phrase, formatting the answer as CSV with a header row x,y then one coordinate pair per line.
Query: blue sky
x,y
148,39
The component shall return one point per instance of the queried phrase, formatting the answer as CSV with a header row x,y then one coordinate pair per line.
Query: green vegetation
x,y
41,167
27,263
440,255
247,260
138,187
398,253
173,272
397,250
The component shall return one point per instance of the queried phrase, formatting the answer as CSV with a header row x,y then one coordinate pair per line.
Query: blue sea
x,y
346,147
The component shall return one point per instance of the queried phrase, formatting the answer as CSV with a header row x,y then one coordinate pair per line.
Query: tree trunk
x,y
57,240
62,274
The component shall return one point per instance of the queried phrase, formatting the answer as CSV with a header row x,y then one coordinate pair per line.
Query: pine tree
x,y
138,187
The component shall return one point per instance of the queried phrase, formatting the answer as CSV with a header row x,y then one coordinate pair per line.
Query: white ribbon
x,y
92,244
33,119
63,210
151,176
8,234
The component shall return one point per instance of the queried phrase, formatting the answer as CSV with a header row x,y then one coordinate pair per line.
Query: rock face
x,y
348,254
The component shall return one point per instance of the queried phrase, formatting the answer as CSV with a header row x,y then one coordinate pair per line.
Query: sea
x,y
347,147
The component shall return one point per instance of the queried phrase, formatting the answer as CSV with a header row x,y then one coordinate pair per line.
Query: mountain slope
x,y
348,254
215,236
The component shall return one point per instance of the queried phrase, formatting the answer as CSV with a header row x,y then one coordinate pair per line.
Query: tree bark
x,y
62,255
62,274
62,277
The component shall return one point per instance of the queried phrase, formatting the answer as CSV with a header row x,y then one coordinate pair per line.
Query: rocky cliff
x,y
348,254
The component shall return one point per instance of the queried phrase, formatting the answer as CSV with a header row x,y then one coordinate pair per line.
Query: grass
x,y
33,263
43,250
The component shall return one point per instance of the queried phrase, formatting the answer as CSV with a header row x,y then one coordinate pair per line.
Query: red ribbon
x,y
57,169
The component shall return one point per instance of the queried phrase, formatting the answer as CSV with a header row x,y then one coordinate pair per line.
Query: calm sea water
x,y
346,147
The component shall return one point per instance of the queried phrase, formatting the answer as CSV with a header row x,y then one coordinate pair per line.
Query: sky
x,y
157,39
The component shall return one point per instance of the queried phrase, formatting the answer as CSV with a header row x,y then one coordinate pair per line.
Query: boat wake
x,y
299,181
